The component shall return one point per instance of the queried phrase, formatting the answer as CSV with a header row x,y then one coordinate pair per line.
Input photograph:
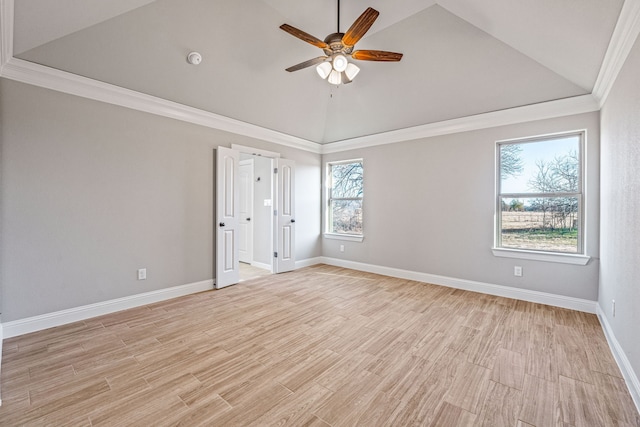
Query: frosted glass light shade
x,y
324,69
335,78
352,71
340,63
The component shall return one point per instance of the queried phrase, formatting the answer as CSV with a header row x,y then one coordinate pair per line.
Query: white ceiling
x,y
461,57
43,21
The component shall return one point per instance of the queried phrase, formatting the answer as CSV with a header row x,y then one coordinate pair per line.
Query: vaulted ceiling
x,y
461,57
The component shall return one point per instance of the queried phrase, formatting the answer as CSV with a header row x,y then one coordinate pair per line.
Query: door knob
x,y
248,219
293,220
221,224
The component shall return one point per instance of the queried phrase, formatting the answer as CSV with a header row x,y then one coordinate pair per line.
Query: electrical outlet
x,y
517,271
341,248
142,274
613,308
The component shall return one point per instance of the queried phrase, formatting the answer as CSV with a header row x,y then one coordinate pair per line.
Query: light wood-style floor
x,y
248,271
322,346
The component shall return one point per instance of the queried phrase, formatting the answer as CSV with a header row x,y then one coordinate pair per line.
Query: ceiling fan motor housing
x,y
334,41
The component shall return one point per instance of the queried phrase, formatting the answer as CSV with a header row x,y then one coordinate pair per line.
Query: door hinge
x,y
275,170
275,212
275,254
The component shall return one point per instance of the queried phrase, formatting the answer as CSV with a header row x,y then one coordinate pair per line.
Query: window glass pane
x,y
346,180
346,216
550,166
545,224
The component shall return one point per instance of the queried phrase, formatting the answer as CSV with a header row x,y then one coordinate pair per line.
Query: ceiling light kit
x,y
334,66
194,58
337,70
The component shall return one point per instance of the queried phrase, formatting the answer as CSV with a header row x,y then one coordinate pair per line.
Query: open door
x,y
227,217
285,217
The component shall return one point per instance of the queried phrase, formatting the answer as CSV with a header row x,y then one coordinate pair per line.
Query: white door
x,y
245,181
285,259
227,215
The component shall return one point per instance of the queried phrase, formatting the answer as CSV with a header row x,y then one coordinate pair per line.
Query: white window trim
x,y
339,236
347,237
557,257
575,259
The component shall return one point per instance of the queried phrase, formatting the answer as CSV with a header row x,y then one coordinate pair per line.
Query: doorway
x,y
256,217
277,199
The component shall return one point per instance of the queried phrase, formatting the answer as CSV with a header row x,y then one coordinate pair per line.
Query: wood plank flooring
x,y
322,346
248,271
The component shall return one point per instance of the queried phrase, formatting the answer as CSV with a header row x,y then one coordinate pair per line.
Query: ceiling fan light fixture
x,y
334,65
340,62
335,77
324,69
351,71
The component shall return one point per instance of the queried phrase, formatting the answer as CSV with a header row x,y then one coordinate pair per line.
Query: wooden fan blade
x,y
304,36
306,64
376,55
360,27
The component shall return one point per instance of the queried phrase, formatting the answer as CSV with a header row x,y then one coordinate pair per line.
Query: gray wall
x,y
429,207
91,192
620,208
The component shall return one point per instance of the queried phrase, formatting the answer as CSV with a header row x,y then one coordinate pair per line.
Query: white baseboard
x,y
310,261
468,285
1,338
261,265
630,377
58,318
63,317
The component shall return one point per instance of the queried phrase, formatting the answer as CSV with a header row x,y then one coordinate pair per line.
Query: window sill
x,y
347,237
542,256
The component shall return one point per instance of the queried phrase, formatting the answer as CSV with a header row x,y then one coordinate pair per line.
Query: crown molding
x,y
622,40
545,110
62,81
50,78
6,32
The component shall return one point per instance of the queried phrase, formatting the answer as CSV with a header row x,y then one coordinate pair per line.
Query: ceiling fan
x,y
333,65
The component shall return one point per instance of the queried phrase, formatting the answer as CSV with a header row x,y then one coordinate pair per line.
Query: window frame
x,y
328,232
579,257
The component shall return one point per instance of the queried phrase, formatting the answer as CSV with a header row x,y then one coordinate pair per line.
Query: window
x,y
344,197
540,194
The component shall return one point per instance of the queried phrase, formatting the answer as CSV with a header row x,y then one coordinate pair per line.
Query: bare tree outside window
x,y
557,176
346,189
540,194
510,161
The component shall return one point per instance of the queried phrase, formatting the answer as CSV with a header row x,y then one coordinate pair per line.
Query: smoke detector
x,y
194,58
